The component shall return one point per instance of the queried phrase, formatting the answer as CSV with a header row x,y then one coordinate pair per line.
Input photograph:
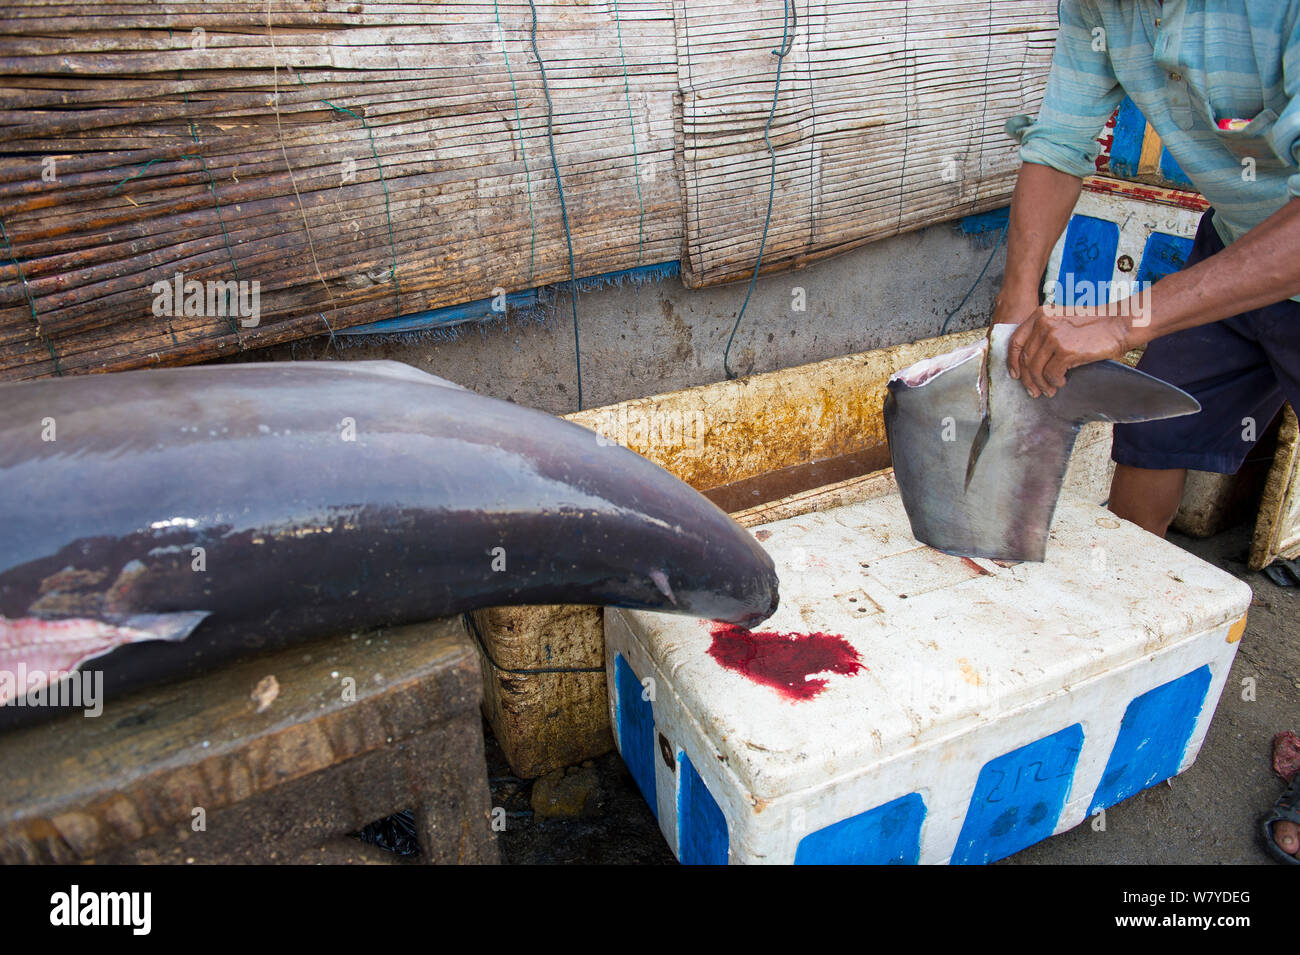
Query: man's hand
x,y
1052,340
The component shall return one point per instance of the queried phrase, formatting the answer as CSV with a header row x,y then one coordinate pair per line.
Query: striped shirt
x,y
1218,80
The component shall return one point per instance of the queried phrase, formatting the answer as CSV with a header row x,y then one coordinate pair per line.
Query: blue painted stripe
x,y
482,310
1087,259
636,731
1018,798
479,311
701,827
1162,255
890,834
1152,738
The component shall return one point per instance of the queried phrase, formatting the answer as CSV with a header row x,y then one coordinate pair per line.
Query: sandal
x,y
1286,809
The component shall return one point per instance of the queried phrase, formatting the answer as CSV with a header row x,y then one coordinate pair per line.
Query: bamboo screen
x,y
348,162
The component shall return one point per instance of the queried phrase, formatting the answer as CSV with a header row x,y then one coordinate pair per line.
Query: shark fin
x,y
1112,391
660,580
166,626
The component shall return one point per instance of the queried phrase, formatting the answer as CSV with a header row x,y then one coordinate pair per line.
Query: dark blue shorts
x,y
1240,369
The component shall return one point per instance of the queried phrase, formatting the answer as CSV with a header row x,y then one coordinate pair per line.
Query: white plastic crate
x,y
993,707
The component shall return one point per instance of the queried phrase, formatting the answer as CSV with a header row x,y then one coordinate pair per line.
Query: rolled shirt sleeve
x,y
1081,94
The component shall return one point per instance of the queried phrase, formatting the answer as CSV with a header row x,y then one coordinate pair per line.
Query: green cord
x,y
943,329
392,242
787,42
221,219
564,214
31,302
134,175
519,129
636,168
212,188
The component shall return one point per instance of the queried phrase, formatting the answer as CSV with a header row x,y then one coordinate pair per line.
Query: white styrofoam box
x,y
1090,470
995,705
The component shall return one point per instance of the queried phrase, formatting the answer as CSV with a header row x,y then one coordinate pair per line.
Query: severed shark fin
x,y
986,484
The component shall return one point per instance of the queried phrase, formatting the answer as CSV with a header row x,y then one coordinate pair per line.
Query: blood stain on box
x,y
786,662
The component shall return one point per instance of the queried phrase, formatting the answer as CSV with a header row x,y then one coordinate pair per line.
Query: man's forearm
x,y
1260,268
1040,208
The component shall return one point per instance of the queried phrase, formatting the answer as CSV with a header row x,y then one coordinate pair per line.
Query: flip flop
x,y
1286,809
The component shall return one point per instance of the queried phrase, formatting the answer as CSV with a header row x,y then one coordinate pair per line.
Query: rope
x,y
478,638
212,188
523,155
787,41
814,170
392,242
279,132
331,331
221,220
31,301
564,213
636,168
943,330
907,127
988,59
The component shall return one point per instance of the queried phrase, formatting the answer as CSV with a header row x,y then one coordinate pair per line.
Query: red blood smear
x,y
784,661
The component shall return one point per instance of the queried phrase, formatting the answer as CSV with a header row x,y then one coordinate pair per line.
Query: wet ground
x,y
1207,815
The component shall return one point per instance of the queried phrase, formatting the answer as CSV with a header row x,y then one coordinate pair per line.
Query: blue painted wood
x,y
890,834
1018,798
1162,255
1087,260
1126,147
1152,738
636,731
981,222
701,827
1172,171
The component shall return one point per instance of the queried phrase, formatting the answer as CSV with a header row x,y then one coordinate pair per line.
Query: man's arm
x,y
1057,150
1261,268
1040,209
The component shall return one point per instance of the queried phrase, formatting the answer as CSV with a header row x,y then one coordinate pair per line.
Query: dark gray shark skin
x,y
444,501
980,464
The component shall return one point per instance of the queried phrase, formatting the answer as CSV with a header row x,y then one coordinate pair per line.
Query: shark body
x,y
161,522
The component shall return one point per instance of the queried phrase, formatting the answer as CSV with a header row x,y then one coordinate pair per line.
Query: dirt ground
x,y
1207,815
